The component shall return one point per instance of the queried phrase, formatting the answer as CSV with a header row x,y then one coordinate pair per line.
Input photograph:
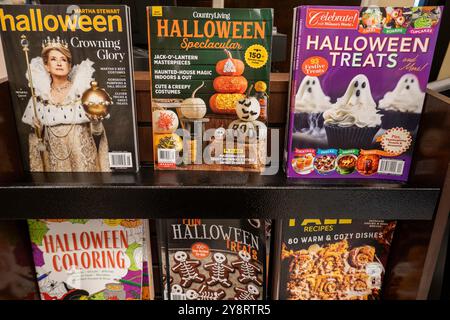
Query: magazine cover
x,y
17,278
88,259
332,259
358,82
148,287
70,71
208,259
210,71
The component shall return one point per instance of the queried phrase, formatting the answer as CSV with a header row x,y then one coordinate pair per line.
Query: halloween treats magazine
x,y
331,259
70,71
358,81
92,259
211,259
210,73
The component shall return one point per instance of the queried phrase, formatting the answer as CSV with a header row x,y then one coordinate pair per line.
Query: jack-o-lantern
x,y
225,103
194,108
167,141
164,121
227,84
230,66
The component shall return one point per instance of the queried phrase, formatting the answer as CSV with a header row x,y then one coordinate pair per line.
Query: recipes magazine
x,y
331,259
357,88
91,259
70,72
210,73
209,259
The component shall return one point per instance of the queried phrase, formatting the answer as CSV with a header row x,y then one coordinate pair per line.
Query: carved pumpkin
x,y
164,121
194,108
167,141
230,66
228,84
225,103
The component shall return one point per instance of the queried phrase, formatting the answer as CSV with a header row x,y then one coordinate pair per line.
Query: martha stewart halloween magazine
x,y
209,87
358,82
91,259
70,72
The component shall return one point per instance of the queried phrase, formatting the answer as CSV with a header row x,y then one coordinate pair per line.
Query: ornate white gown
x,y
67,131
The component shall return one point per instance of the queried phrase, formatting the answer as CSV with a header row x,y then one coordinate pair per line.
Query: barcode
x,y
166,155
388,166
120,160
177,296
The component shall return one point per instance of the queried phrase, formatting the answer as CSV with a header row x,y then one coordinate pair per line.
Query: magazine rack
x,y
152,194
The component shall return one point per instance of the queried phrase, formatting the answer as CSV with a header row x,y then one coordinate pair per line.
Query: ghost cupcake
x,y
402,106
310,103
353,120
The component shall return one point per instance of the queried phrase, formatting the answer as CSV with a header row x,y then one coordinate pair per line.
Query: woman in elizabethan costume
x,y
67,131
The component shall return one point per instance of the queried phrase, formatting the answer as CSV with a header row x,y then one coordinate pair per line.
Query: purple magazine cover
x,y
357,87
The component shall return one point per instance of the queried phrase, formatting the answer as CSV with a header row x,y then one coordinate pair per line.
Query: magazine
x,y
209,87
358,82
70,72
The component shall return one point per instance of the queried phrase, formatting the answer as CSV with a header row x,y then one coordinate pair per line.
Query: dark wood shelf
x,y
173,194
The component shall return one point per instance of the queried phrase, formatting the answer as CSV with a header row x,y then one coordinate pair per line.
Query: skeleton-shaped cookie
x,y
406,96
358,93
205,294
187,269
310,97
218,270
248,272
251,292
177,292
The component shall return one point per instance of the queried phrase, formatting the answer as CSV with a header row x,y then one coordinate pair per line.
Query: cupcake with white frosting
x,y
353,120
310,103
402,106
